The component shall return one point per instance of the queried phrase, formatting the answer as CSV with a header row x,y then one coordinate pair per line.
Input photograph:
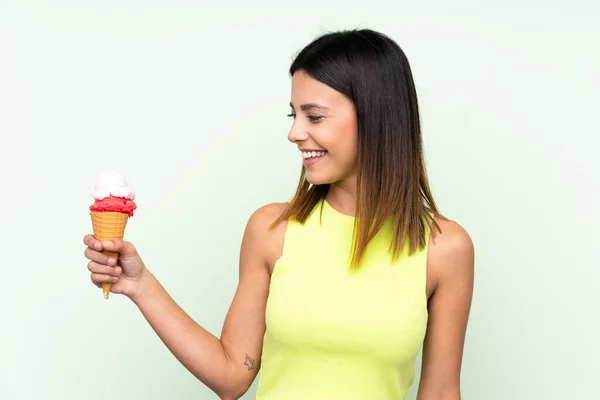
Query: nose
x,y
297,133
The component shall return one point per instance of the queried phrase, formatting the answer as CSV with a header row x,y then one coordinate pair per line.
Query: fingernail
x,y
97,246
111,260
106,243
115,278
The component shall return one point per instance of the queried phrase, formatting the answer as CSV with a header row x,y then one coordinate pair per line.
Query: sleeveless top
x,y
336,333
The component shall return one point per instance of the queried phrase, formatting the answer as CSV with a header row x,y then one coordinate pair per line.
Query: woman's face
x,y
325,130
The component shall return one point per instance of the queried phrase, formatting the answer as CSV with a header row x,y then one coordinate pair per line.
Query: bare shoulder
x,y
268,213
451,251
450,263
263,217
269,241
244,326
452,240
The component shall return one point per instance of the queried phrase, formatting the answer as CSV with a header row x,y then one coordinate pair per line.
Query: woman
x,y
340,287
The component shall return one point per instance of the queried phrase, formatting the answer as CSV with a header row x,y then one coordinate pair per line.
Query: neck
x,y
342,197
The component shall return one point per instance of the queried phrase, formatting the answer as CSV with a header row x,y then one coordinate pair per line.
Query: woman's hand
x,y
125,274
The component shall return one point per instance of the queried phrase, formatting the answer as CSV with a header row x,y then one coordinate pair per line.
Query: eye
x,y
314,118
292,115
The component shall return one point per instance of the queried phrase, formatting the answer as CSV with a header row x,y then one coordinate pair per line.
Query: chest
x,y
316,303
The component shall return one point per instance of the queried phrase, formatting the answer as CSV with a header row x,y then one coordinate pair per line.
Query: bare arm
x,y
451,258
228,365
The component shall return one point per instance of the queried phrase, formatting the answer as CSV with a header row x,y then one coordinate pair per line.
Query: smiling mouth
x,y
313,154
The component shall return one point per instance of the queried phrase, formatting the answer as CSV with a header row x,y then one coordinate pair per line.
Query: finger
x,y
113,245
100,258
102,278
120,246
92,242
104,269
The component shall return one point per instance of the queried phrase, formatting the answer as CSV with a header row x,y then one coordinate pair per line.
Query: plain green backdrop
x,y
189,102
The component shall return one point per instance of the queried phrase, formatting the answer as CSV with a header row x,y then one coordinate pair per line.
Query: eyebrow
x,y
310,106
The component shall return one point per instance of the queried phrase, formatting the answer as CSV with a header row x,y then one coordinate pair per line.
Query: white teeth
x,y
309,154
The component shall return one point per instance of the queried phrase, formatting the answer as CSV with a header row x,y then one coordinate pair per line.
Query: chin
x,y
319,178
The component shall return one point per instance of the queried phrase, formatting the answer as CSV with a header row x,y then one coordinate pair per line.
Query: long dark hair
x,y
373,72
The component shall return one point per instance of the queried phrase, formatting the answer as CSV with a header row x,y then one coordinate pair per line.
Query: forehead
x,y
306,89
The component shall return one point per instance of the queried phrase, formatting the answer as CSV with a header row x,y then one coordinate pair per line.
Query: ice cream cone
x,y
109,226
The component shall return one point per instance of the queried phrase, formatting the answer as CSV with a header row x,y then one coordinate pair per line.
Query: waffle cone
x,y
109,226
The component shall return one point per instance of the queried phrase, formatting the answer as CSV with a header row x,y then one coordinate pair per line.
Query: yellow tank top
x,y
334,333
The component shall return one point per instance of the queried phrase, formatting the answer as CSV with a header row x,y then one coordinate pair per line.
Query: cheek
x,y
341,140
344,154
350,147
351,156
350,138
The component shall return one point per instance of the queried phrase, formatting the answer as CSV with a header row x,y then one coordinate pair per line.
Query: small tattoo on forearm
x,y
249,363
